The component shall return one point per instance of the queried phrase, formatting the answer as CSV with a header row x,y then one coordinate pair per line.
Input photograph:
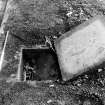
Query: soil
x,y
88,88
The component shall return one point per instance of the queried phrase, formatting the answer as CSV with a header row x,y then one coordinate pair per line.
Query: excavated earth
x,y
50,18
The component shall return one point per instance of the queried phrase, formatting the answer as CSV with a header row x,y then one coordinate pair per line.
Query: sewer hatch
x,y
39,64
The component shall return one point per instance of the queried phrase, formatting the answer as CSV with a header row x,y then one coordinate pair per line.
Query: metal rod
x,y
3,51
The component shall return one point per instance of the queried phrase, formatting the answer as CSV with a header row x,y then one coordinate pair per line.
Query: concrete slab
x,y
82,48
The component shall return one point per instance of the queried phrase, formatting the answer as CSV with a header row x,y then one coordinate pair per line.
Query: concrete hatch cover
x,y
82,48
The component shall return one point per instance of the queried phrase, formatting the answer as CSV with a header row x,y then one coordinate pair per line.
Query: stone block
x,y
82,48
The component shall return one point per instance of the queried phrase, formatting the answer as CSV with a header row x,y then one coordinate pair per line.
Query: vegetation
x,y
49,17
37,18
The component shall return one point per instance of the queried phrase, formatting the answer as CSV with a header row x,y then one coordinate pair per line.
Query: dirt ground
x,y
86,89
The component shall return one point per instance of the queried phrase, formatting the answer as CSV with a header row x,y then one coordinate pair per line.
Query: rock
x,y
82,48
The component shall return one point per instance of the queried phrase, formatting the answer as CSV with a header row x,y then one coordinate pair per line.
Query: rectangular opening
x,y
39,64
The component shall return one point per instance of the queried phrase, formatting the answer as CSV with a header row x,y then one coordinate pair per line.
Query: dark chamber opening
x,y
40,64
